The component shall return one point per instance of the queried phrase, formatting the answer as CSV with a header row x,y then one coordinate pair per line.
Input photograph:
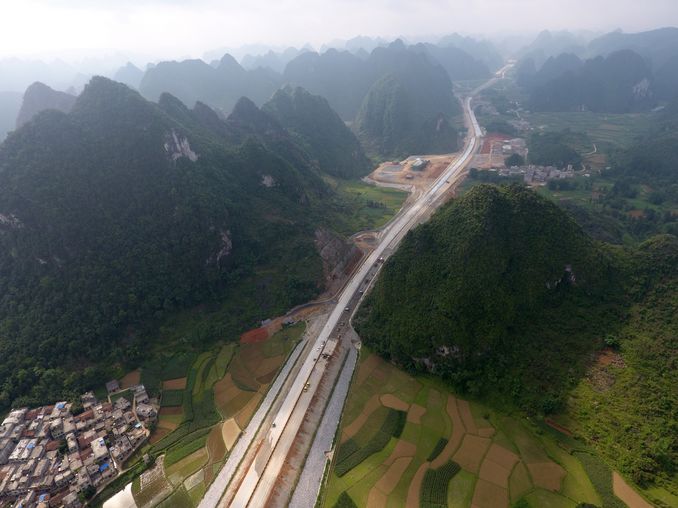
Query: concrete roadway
x,y
256,485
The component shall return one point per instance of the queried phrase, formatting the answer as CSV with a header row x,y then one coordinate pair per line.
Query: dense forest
x,y
622,82
503,295
124,211
320,131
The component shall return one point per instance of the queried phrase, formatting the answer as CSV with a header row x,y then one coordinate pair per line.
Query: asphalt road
x,y
262,471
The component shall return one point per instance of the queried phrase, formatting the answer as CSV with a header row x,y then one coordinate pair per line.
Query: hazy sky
x,y
179,28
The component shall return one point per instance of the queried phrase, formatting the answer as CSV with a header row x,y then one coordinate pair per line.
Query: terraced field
x,y
203,412
451,452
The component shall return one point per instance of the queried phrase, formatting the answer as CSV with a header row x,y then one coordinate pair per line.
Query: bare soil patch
x,y
547,475
366,368
402,449
486,432
254,336
626,493
494,473
130,379
555,425
166,424
502,456
467,416
414,492
390,400
489,495
174,384
415,413
158,434
229,433
353,428
458,432
268,365
471,453
171,410
245,414
390,480
267,378
376,499
215,444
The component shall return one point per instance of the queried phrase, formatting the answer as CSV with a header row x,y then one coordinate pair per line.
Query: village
x,y
62,454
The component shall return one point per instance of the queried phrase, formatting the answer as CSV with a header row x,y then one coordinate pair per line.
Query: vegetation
x,y
439,447
601,477
125,213
320,131
499,267
434,487
408,113
618,83
350,453
532,343
554,149
345,501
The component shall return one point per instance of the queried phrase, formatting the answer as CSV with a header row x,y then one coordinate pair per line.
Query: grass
x,y
369,206
351,453
126,394
178,499
616,129
540,498
601,477
460,490
186,447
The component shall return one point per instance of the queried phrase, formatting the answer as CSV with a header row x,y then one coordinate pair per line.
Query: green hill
x,y
503,296
409,110
320,131
497,278
125,211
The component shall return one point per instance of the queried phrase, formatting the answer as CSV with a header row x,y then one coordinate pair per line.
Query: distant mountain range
x,y
615,73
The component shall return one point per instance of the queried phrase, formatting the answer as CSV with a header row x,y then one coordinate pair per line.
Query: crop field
x,y
204,408
616,129
454,453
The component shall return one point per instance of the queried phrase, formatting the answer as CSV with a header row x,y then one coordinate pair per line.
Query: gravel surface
x,y
306,491
212,496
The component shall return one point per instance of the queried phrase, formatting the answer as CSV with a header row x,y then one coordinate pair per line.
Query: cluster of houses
x,y
537,175
50,457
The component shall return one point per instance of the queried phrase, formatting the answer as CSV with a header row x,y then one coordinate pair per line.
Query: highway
x,y
256,470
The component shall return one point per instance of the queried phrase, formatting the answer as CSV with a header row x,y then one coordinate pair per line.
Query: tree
x,y
514,160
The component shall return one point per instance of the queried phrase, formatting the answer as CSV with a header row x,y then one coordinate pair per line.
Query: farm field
x,y
451,452
199,423
615,129
371,206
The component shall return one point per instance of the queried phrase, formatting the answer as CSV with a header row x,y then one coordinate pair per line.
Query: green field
x,y
497,454
602,128
365,206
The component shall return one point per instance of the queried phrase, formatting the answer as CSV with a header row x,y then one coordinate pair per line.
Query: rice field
x,y
501,459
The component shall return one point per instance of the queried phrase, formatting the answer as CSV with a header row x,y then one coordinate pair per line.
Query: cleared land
x,y
503,458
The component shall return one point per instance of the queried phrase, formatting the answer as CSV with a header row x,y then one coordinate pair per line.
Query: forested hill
x,y
621,82
502,295
410,108
125,210
320,130
39,97
490,279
